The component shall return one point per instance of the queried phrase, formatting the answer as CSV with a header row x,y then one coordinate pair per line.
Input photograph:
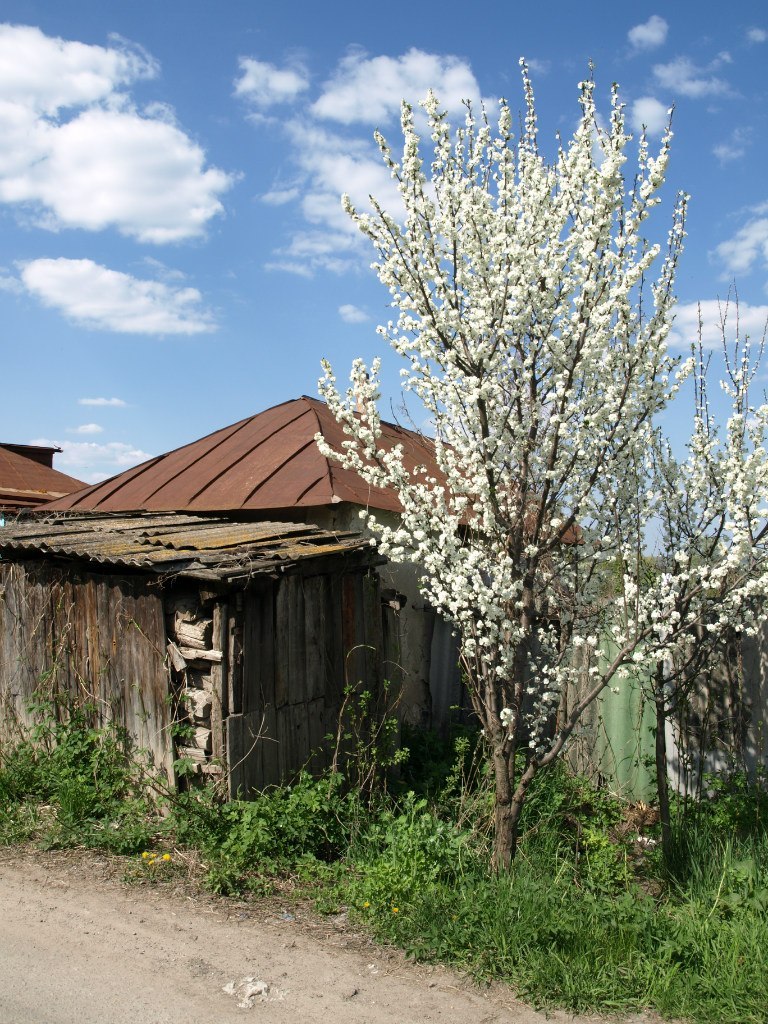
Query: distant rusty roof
x,y
268,461
203,547
27,478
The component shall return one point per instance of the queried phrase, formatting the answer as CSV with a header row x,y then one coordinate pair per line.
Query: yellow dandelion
x,y
395,910
366,904
144,855
166,857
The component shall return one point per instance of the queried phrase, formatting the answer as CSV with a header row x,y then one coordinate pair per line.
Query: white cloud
x,y
757,35
104,299
352,314
280,196
748,246
86,428
649,113
369,90
163,271
684,77
116,403
89,460
716,317
288,266
319,249
264,85
117,169
10,283
330,160
735,147
650,34
726,152
45,74
75,150
330,164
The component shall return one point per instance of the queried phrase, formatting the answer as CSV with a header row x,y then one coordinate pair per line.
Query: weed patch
x,y
245,842
70,784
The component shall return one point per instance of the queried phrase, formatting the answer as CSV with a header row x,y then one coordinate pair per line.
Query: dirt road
x,y
77,946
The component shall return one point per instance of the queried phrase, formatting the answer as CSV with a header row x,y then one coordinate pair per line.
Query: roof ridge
x,y
326,460
266,460
412,431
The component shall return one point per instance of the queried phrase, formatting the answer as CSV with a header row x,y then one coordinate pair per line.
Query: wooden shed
x,y
269,466
222,644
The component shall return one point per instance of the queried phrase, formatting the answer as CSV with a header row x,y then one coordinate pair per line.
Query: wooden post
x,y
219,680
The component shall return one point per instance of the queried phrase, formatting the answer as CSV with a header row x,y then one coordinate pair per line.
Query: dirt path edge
x,y
79,945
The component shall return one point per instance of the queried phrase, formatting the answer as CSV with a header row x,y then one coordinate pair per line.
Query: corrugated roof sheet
x,y
25,481
268,461
203,547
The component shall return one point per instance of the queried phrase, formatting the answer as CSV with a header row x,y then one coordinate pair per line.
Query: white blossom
x,y
532,318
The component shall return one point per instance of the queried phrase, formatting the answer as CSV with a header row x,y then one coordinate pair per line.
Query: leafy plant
x,y
736,803
366,744
87,775
246,841
409,848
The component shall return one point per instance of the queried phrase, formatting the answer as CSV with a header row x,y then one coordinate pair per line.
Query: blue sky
x,y
173,255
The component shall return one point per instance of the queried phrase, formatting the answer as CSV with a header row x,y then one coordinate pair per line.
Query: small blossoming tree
x,y
710,511
534,335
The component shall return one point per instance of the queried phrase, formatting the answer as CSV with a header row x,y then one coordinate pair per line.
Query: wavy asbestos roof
x,y
27,478
199,546
268,461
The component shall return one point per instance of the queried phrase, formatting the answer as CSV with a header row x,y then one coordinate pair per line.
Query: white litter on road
x,y
248,991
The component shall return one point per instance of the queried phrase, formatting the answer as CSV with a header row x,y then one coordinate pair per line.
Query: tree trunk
x,y
504,816
507,812
505,836
662,779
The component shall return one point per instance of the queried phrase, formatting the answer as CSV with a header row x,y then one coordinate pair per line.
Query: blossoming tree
x,y
534,335
710,511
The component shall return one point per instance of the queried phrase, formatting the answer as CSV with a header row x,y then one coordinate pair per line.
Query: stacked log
x,y
189,627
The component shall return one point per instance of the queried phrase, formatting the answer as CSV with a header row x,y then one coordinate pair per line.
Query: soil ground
x,y
80,946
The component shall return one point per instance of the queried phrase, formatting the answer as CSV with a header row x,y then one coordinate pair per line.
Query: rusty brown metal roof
x,y
28,480
199,546
41,453
268,461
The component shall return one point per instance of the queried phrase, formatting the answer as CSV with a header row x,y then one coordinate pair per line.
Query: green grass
x,y
561,941
585,919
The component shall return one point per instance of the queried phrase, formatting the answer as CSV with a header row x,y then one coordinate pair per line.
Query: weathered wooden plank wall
x,y
96,638
304,638
263,672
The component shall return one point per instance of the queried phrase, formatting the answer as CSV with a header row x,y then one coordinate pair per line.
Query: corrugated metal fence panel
x,y
614,744
624,744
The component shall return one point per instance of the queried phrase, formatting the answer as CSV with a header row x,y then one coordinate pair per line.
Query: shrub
x,y
87,776
244,841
